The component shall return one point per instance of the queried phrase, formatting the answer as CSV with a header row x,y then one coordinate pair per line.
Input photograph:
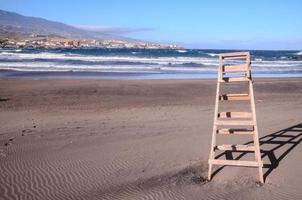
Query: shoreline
x,y
81,75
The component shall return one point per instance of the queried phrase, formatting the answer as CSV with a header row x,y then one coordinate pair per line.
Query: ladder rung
x,y
234,123
235,163
234,57
239,73
234,79
232,97
235,54
238,131
235,68
234,147
235,115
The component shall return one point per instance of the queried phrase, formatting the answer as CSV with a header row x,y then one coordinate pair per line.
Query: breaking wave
x,y
144,61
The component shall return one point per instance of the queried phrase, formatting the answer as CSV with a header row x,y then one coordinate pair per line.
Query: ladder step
x,y
235,68
232,97
234,147
234,123
235,55
234,115
234,79
226,131
236,163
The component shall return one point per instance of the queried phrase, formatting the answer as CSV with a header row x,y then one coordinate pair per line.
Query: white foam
x,y
181,51
150,60
213,54
43,66
53,66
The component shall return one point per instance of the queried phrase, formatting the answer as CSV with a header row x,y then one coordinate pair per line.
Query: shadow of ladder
x,y
231,123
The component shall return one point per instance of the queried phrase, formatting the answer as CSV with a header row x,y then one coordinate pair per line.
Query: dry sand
x,y
97,139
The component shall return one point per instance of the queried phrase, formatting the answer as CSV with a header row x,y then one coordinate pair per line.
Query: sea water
x,y
139,63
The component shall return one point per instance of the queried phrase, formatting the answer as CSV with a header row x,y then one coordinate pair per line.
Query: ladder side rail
x,y
213,142
220,69
256,136
248,62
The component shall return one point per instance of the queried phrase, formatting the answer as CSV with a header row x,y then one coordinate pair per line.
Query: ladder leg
x,y
258,155
212,152
256,136
261,179
213,143
210,172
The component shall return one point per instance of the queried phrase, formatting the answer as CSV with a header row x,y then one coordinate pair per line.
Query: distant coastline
x,y
19,41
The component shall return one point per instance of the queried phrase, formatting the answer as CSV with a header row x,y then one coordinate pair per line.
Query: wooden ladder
x,y
228,123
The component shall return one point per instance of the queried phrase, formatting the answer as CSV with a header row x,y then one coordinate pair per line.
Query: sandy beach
x,y
139,139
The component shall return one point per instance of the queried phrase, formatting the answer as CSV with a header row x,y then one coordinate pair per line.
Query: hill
x,y
11,22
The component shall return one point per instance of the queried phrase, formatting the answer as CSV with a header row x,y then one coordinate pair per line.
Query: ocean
x,y
138,63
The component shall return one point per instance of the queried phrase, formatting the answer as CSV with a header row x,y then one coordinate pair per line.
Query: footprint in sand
x,y
24,131
7,144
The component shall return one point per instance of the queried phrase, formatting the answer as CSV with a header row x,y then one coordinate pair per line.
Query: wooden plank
x,y
235,54
213,143
234,123
235,74
236,163
256,137
232,97
234,147
235,68
238,131
239,115
234,57
234,79
240,53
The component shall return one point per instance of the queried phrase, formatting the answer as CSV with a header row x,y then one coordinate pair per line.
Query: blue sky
x,y
229,24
